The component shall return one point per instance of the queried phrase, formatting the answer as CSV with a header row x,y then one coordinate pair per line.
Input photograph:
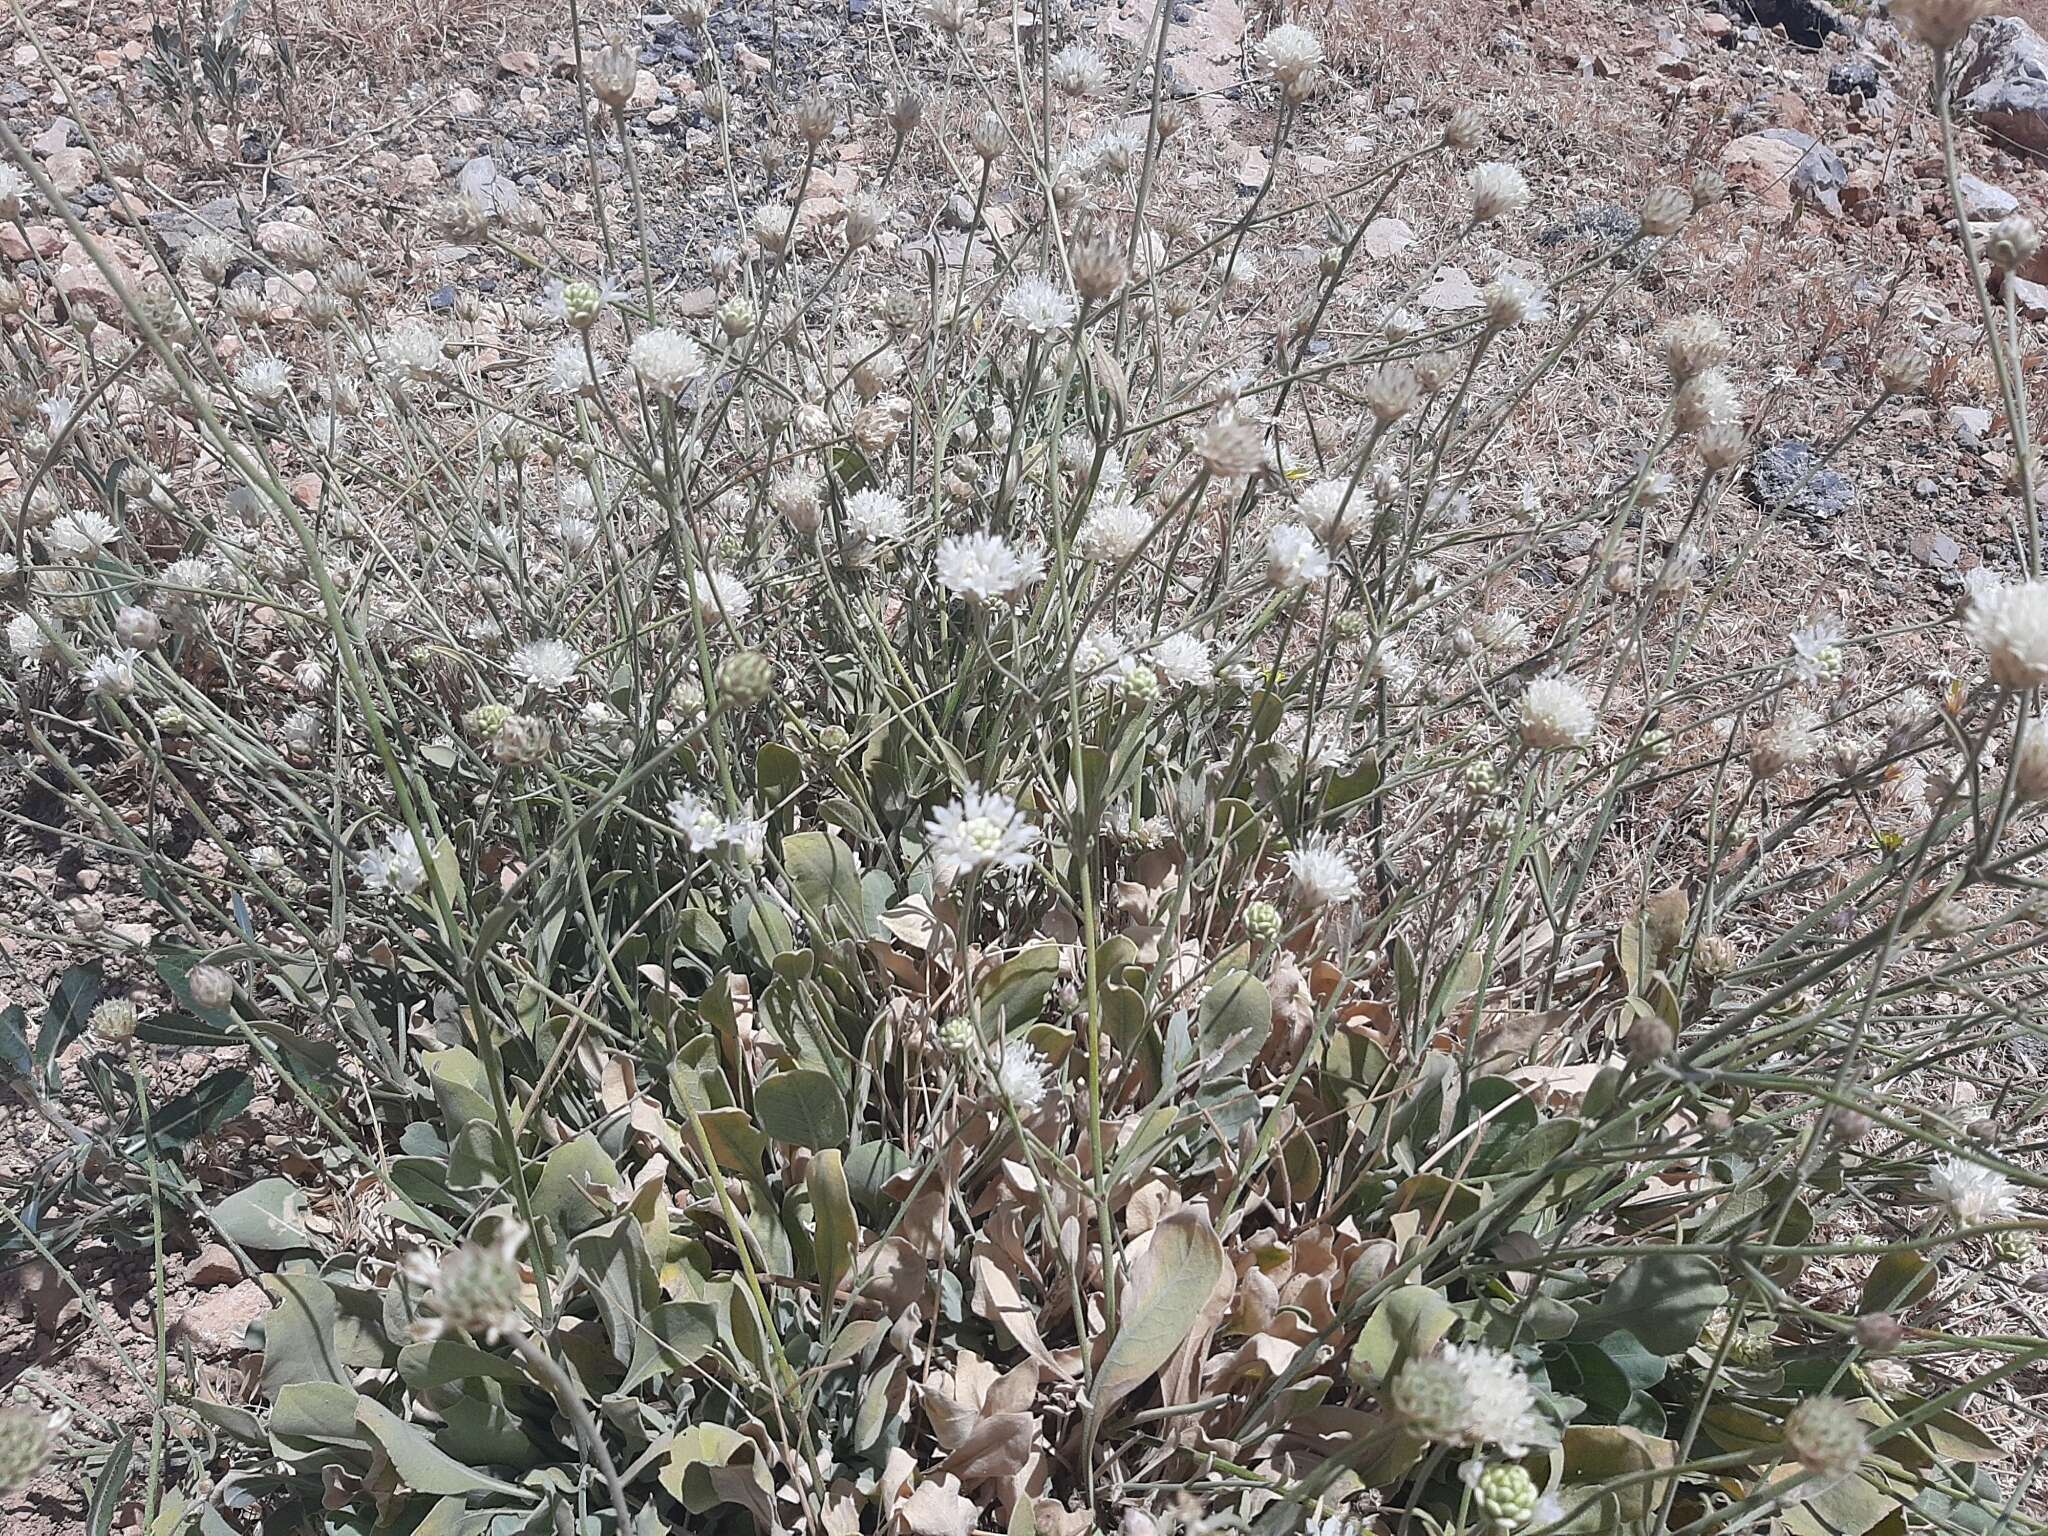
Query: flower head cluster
x,y
393,865
667,361
720,595
2009,624
982,830
876,516
985,568
1322,874
706,830
1022,1075
1971,1193
477,1290
1554,713
546,665
1294,558
1038,308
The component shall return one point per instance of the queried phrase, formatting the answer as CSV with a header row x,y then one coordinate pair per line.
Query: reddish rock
x,y
218,1322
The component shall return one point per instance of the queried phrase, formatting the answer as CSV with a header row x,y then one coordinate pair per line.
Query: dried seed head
x,y
1390,393
1941,24
986,137
906,110
458,219
1906,371
1692,345
1098,270
1463,129
1826,1436
1665,211
865,217
211,987
1709,187
816,119
2012,242
613,70
1707,399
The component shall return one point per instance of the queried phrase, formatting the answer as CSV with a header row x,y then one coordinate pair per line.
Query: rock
x,y
217,1323
1809,23
1789,477
524,63
71,171
1452,288
1970,423
1385,237
463,102
2003,83
1855,77
1862,192
1982,201
1779,164
53,138
495,192
211,1267
2030,299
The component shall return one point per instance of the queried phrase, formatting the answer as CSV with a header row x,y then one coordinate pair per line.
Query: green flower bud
x,y
745,679
1262,922
1506,1495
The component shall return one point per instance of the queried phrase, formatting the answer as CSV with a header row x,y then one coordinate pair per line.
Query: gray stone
x,y
1790,477
1820,173
1970,423
1983,201
2003,83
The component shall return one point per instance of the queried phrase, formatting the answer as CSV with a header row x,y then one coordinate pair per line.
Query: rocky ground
x,y
1838,248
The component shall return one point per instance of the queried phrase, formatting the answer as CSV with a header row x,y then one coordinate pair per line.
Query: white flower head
x,y
1113,531
1294,559
1500,1404
30,638
111,675
720,595
266,380
1972,1193
1555,712
393,865
1290,53
667,361
877,516
413,350
1497,190
549,665
1816,652
1334,510
83,535
1184,661
1079,70
1511,300
985,568
1038,308
982,830
1322,874
2009,624
1022,1075
573,371
476,1290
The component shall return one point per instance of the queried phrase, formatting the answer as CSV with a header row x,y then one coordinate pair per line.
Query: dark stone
x,y
443,299
2003,82
1809,23
1855,77
1790,478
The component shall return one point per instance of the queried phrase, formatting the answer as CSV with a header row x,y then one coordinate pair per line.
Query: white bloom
x,y
1037,308
717,593
1113,531
394,865
1079,70
698,821
1096,655
1022,1075
573,371
578,534
1500,1406
667,361
1972,1193
1290,53
1496,190
27,640
264,379
81,535
1334,510
1184,661
549,665
111,676
1817,652
57,412
1322,874
984,568
476,1290
877,516
1293,558
1511,300
771,227
14,192
2010,626
413,349
980,830
1555,712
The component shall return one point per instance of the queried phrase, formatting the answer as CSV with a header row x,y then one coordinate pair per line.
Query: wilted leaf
x,y
1170,1287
